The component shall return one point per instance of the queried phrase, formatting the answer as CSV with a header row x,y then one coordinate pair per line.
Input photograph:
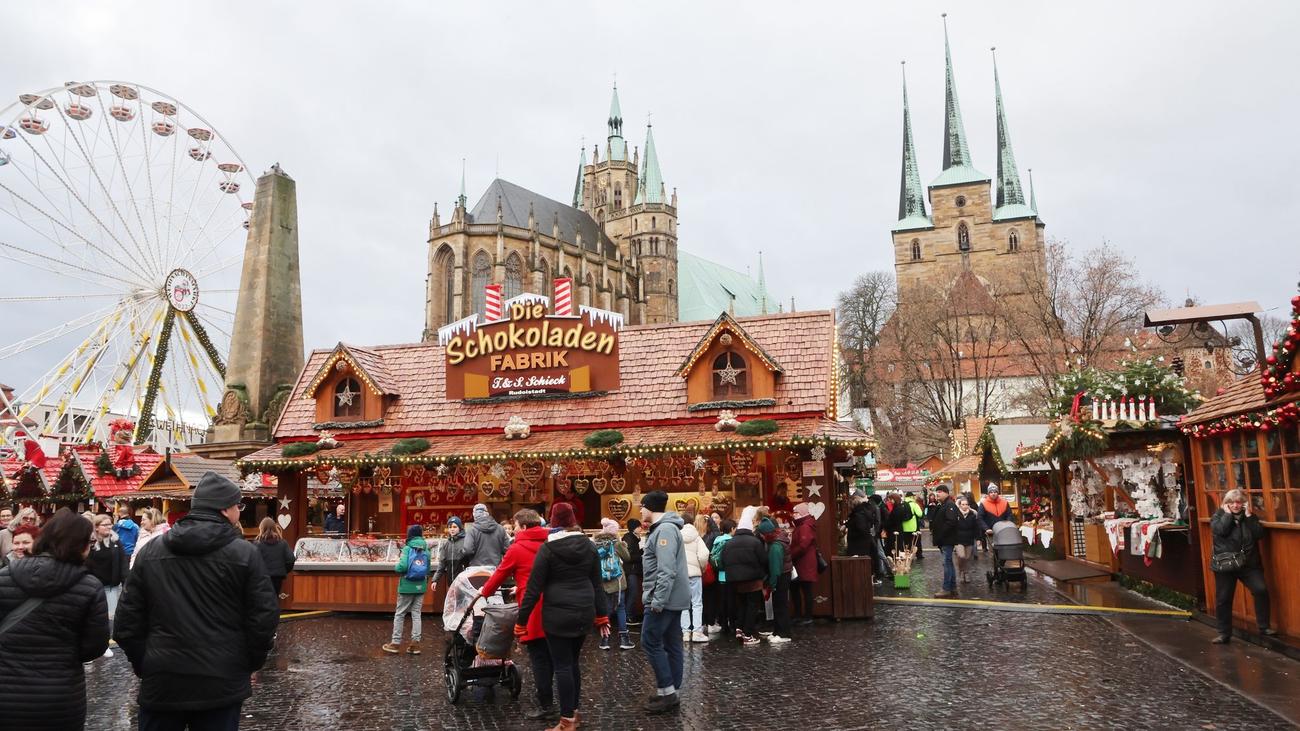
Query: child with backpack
x,y
613,553
414,568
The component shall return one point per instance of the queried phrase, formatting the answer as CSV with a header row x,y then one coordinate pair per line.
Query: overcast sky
x,y
1167,129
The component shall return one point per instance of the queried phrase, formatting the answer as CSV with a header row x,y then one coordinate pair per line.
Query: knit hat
x,y
481,509
992,489
214,493
608,525
801,510
562,516
766,526
456,519
413,531
943,489
747,518
656,501
633,524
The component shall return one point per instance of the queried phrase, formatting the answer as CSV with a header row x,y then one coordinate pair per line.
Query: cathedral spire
x,y
1010,196
762,285
461,199
1033,197
911,197
650,188
617,146
957,166
582,167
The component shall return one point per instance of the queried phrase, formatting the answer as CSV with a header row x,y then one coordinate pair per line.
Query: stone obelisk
x,y
266,348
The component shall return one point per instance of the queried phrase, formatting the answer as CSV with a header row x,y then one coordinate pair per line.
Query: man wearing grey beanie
x,y
198,615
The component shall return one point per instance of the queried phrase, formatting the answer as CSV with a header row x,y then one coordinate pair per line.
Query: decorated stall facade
x,y
538,405
1248,437
1024,481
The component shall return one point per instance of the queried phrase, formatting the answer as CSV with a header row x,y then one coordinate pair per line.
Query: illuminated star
x,y
498,471
441,470
699,462
728,375
814,490
346,395
818,453
284,502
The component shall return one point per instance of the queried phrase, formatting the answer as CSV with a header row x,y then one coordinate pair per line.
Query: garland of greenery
x,y
603,438
347,424
748,404
757,427
1147,378
299,449
410,446
1066,442
144,427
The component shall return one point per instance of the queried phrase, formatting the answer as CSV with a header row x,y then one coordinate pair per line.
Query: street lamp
x,y
1199,317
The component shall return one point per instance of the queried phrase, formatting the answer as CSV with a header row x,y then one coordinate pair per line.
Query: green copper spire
x,y
582,166
617,146
650,188
1011,197
957,166
911,197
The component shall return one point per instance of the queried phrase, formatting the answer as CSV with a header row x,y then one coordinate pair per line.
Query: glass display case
x,y
353,554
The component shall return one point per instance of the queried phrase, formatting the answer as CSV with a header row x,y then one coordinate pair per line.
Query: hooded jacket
x,y
107,561
518,563
451,557
943,523
912,513
485,541
665,572
611,542
405,585
197,616
863,526
994,508
969,527
43,684
778,552
128,532
803,547
697,551
633,565
744,558
277,557
567,572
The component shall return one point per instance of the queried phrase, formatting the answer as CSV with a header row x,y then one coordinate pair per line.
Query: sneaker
x,y
662,703
108,652
634,622
543,713
748,641
877,582
1268,632
699,637
604,643
686,637
713,629
412,649
391,648
625,641
1221,640
763,634
778,639
740,634
945,595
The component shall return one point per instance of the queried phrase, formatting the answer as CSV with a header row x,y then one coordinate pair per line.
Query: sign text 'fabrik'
x,y
532,352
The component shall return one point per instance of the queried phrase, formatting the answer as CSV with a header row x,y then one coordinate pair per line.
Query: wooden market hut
x,y
1248,437
719,414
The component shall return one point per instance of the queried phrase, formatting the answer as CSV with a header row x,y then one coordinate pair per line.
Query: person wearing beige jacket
x,y
697,555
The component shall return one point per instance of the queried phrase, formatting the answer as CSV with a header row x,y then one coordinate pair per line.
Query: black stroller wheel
x,y
989,576
451,672
516,682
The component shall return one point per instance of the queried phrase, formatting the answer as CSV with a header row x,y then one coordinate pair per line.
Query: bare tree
x,y
863,310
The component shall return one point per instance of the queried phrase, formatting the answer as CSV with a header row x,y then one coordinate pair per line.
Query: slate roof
x,y
705,289
1245,394
649,392
515,200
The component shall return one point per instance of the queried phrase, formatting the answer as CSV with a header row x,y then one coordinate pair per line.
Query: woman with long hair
x,y
64,623
152,525
276,553
107,562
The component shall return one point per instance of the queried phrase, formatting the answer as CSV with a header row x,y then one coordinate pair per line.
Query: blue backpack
x,y
417,569
611,566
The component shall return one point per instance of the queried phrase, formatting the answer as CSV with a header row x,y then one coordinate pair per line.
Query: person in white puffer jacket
x,y
697,555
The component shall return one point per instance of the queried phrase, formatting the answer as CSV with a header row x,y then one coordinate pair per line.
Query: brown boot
x,y
391,648
565,724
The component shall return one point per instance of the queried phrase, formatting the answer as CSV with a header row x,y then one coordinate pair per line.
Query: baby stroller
x,y
463,615
1008,556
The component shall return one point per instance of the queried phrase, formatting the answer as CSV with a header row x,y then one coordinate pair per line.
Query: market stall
x,y
1025,483
540,406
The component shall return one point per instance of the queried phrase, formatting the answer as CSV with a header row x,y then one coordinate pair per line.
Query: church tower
x,y
971,228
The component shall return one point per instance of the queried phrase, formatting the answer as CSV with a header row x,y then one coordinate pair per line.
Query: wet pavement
x,y
914,667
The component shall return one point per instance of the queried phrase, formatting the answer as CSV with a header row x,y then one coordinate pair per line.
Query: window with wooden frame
x,y
730,376
347,399
1264,464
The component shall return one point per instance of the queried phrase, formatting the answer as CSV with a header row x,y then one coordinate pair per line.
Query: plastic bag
x,y
498,631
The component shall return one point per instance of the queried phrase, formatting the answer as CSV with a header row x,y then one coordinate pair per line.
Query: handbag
x,y
1228,562
822,565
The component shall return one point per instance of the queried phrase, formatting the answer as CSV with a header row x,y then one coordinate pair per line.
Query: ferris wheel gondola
x,y
121,240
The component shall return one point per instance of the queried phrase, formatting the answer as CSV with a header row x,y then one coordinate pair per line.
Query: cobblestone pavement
x,y
927,578
914,667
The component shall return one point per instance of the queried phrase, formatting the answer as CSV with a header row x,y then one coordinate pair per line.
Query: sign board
x,y
866,485
814,468
531,352
901,474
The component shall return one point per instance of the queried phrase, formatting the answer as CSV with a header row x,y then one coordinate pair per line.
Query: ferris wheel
x,y
122,227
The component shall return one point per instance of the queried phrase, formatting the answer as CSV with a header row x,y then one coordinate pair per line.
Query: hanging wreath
x,y
299,449
410,446
757,427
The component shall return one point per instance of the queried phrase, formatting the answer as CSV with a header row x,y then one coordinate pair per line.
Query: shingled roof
x,y
648,393
1245,394
516,201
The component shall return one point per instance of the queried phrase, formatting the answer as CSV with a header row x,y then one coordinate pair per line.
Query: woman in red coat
x,y
803,552
518,563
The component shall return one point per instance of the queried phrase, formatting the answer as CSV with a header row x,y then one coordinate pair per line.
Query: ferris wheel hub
x,y
181,290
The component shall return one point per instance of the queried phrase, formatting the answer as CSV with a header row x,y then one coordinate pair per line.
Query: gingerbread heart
x,y
580,486
741,460
599,484
683,506
323,473
488,489
728,482
618,484
619,508
414,474
531,471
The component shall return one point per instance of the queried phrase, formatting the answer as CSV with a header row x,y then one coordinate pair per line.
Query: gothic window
x,y
568,274
672,288
347,399
618,195
1013,240
547,284
652,223
444,272
480,277
514,285
916,249
963,237
590,299
730,376
634,224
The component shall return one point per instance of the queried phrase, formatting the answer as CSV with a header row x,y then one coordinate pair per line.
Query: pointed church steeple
x,y
957,166
582,167
762,285
617,146
1033,196
461,199
911,197
1010,196
650,188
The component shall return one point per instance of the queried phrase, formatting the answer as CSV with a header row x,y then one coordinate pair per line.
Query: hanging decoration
x,y
517,428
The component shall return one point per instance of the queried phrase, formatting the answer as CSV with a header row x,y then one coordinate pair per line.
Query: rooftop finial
x,y
461,199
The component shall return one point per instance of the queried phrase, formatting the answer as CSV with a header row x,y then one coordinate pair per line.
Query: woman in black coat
x,y
108,562
276,554
567,572
1237,532
44,685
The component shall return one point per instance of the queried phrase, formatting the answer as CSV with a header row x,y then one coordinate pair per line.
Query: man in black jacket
x,y
632,570
944,517
198,616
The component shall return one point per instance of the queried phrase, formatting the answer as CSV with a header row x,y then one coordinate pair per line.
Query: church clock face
x,y
182,290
